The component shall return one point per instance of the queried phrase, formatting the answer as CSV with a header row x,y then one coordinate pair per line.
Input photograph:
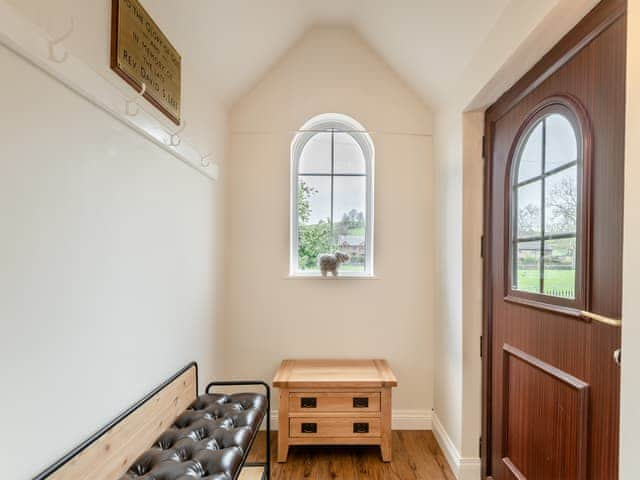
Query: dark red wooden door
x,y
555,165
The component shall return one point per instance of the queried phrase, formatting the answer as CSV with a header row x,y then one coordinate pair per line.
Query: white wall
x,y
110,256
472,228
332,70
448,273
630,415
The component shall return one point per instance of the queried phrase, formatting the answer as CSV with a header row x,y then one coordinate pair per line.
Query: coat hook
x,y
56,41
133,102
204,160
175,140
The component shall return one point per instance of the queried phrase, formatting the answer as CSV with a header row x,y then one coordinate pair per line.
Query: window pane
x,y
314,213
349,214
561,202
561,144
529,198
560,268
316,155
348,156
530,164
528,267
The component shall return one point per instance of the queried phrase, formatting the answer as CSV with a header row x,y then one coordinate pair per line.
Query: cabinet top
x,y
334,373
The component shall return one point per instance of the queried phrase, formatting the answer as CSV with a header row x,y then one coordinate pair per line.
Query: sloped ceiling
x,y
234,42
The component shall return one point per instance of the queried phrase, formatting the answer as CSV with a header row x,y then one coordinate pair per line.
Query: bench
x,y
174,433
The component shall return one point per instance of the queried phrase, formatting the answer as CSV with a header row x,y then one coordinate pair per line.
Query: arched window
x,y
332,195
547,205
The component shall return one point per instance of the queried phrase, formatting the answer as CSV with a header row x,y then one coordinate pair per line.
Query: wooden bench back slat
x,y
109,456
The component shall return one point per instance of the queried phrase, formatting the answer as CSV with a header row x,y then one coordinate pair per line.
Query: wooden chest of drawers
x,y
334,402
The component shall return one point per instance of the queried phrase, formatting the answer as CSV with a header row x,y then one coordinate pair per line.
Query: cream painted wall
x,y
472,228
448,273
630,415
110,256
458,367
271,317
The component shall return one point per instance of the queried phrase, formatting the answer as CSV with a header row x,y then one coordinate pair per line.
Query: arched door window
x,y
548,244
332,195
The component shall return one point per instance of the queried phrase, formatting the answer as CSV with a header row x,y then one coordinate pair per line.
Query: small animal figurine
x,y
330,263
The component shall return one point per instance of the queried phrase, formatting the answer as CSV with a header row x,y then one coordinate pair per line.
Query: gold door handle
x,y
613,322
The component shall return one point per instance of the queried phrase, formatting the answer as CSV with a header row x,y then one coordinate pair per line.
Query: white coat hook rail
x,y
131,107
174,139
54,42
204,160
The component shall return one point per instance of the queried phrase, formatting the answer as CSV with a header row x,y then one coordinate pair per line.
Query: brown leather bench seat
x,y
209,440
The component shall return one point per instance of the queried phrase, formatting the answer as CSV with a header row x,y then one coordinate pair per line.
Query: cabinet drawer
x,y
334,402
334,427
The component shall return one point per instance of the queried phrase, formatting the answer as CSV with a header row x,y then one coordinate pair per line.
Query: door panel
x,y
551,384
545,410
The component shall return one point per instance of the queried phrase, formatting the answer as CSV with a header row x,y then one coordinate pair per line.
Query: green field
x,y
347,267
554,281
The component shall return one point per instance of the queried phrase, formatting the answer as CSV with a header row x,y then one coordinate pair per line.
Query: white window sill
x,y
345,276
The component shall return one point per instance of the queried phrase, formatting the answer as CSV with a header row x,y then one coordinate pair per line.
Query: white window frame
x,y
344,124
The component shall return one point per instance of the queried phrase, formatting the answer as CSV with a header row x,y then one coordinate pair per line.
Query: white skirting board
x,y
464,468
32,43
401,420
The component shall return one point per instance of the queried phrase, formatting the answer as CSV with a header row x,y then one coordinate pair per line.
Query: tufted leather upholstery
x,y
208,440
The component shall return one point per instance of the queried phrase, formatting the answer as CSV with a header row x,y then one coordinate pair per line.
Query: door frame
x,y
590,27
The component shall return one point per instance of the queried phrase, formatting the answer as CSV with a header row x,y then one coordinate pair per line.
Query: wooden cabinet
x,y
334,402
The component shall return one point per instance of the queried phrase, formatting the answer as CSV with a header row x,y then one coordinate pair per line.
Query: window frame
x,y
576,114
337,123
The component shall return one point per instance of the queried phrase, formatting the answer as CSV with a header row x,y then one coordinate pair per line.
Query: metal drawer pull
x,y
360,402
308,402
309,428
360,428
613,322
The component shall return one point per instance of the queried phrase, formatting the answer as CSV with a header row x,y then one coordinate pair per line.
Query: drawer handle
x,y
360,402
309,428
360,428
308,402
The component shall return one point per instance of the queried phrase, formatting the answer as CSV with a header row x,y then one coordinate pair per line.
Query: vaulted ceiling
x,y
234,42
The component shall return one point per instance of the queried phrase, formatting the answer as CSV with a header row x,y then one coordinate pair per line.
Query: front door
x,y
553,271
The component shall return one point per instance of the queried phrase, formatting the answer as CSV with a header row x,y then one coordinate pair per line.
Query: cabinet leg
x,y
283,452
385,450
385,408
283,426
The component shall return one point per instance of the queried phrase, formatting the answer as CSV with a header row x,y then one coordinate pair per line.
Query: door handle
x,y
617,357
360,402
309,428
613,322
360,428
308,402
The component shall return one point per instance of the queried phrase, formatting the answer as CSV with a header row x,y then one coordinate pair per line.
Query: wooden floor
x,y
416,455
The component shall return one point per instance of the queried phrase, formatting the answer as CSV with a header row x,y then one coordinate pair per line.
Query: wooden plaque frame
x,y
136,83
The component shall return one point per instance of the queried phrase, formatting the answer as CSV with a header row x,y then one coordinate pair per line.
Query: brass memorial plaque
x,y
141,53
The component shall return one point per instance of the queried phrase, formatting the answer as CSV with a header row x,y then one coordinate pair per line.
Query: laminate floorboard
x,y
416,456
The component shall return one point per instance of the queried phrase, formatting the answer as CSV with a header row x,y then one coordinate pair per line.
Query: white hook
x,y
132,102
56,41
204,160
175,140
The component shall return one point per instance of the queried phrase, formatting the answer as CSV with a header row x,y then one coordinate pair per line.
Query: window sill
x,y
329,278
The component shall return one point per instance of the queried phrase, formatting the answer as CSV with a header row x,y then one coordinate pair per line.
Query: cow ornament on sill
x,y
330,263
